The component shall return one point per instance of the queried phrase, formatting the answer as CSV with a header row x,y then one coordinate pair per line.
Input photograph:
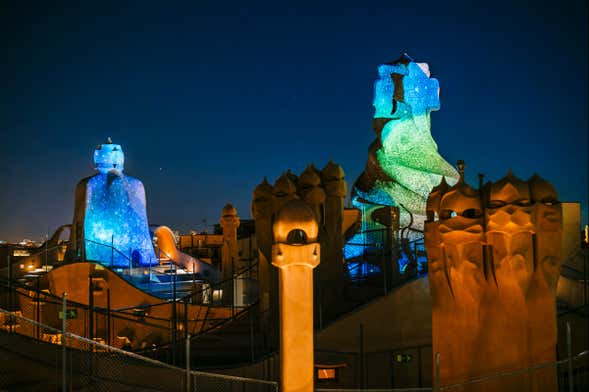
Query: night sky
x,y
207,98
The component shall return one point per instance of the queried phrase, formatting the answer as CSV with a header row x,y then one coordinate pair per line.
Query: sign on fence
x,y
69,314
403,358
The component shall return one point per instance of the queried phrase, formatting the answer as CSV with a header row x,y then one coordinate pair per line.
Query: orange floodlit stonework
x,y
296,252
323,191
230,254
494,261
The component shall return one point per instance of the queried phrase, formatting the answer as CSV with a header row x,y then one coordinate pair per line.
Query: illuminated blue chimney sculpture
x,y
110,219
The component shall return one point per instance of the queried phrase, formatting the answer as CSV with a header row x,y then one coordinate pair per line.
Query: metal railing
x,y
153,329
92,362
148,329
569,385
71,362
373,390
495,382
375,241
524,376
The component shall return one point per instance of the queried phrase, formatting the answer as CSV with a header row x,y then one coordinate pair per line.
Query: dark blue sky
x,y
208,97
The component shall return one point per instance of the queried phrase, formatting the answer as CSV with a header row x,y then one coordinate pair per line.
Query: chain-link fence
x,y
70,362
374,390
66,362
567,375
200,381
563,375
152,329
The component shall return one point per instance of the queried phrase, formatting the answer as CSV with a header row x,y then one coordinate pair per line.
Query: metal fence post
x,y
38,309
251,322
10,294
63,343
232,289
437,376
570,357
108,320
362,361
174,312
46,250
188,363
90,310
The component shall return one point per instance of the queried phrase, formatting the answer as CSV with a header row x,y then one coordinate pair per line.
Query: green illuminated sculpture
x,y
403,162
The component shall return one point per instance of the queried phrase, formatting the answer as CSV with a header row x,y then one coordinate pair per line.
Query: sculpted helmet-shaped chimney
x,y
461,200
433,201
284,190
230,252
403,162
295,224
541,191
333,180
509,189
494,259
296,252
109,157
111,209
262,202
309,179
